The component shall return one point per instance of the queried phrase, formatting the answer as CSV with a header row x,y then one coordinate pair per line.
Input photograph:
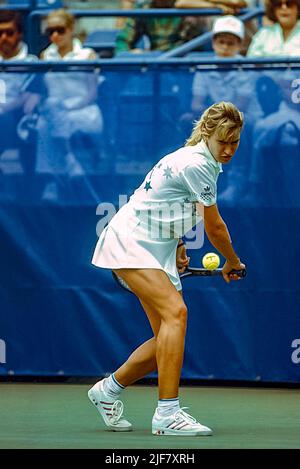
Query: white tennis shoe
x,y
180,423
110,410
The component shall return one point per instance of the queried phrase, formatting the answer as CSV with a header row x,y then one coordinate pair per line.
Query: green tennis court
x,y
61,416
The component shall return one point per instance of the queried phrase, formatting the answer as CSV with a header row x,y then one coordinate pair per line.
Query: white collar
x,y
21,55
204,150
52,51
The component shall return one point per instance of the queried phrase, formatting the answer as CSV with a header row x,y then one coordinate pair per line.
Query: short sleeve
x,y
200,184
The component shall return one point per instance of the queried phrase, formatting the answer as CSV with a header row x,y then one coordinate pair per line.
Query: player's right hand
x,y
227,268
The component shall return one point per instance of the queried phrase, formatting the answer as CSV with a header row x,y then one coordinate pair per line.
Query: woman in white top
x,y
60,29
71,104
281,38
142,245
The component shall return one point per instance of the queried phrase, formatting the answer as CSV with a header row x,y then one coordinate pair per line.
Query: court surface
x,y
61,416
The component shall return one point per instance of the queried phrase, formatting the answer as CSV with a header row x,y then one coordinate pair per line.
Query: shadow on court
x,y
61,416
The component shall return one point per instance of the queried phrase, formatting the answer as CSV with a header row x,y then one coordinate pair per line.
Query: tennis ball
x,y
211,261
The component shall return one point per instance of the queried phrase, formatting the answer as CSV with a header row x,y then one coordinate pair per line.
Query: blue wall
x,y
77,139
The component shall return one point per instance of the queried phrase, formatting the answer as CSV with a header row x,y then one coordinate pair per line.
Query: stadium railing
x,y
19,5
30,4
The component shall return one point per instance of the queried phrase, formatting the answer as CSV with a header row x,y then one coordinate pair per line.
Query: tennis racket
x,y
189,272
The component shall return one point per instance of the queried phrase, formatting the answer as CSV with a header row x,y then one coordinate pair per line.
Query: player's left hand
x,y
182,261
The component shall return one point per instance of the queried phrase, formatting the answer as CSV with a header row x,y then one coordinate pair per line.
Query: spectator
x,y
70,123
236,86
17,97
60,29
11,45
228,7
162,33
281,38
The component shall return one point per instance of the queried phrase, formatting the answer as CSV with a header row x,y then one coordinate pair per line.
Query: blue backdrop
x,y
73,140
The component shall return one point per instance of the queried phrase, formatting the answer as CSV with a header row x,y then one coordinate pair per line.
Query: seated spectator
x,y
70,122
228,7
60,29
17,98
162,33
281,38
11,45
228,34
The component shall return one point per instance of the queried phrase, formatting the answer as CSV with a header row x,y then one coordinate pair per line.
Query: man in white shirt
x,y
11,45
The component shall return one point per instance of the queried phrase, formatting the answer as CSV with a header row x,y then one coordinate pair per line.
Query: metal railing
x,y
149,12
144,63
30,5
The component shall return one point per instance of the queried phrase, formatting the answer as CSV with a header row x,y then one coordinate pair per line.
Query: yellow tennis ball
x,y
211,261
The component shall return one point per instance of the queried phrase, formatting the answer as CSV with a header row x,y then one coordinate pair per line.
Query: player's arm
x,y
218,234
228,6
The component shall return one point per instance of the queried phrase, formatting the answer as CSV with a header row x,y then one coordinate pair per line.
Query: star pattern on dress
x,y
168,172
148,186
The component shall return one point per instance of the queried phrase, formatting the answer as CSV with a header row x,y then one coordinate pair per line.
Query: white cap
x,y
229,24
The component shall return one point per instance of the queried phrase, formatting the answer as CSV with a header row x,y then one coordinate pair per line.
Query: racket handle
x,y
240,273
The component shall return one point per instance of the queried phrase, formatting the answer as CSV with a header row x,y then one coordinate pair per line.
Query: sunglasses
x,y
55,29
287,3
9,32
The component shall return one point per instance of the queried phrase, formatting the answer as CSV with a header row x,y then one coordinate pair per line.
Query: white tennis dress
x,y
144,233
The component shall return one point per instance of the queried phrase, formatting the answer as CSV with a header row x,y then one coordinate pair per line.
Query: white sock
x,y
166,407
112,387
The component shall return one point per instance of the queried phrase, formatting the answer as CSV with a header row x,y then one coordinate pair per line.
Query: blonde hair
x,y
222,117
63,14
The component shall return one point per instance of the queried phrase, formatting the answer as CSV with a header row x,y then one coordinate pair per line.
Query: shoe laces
x,y
117,411
181,414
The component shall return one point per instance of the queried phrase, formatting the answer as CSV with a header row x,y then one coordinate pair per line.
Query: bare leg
x,y
140,363
167,314
143,360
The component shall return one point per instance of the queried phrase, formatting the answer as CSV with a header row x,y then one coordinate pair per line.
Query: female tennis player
x,y
142,244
